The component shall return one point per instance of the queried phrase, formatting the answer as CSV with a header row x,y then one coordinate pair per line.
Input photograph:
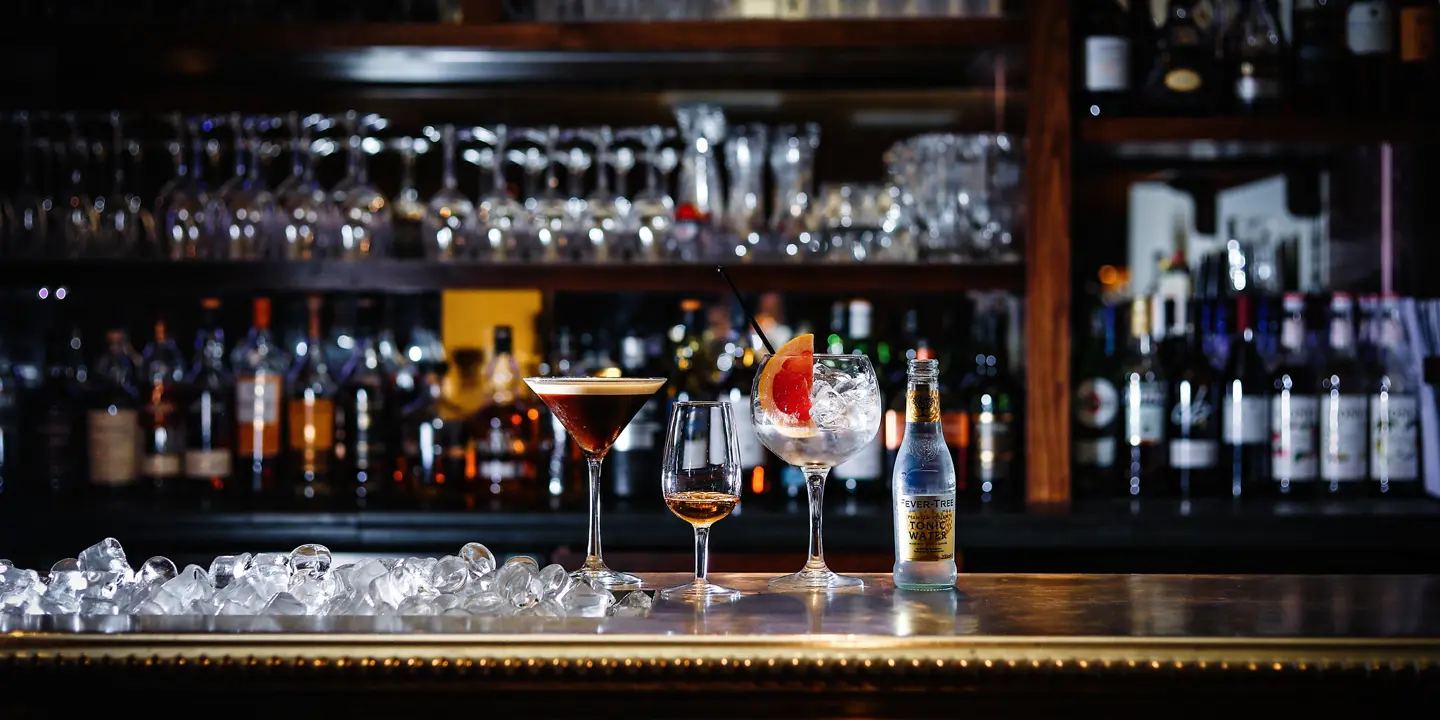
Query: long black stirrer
x,y
746,309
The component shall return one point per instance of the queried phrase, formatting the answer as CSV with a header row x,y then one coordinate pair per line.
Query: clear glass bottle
x,y
260,365
162,439
924,489
1342,406
310,411
364,421
209,422
1394,409
1294,408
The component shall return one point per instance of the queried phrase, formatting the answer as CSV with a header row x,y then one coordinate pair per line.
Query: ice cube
x,y
310,558
456,611
314,590
488,602
62,592
416,605
549,607
5,566
585,601
66,565
445,601
554,581
177,593
284,604
363,573
98,606
103,585
449,574
18,587
635,604
243,595
269,579
479,557
105,556
148,607
519,583
393,587
240,567
158,570
223,570
263,560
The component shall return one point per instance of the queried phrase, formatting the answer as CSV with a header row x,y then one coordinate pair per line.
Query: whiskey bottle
x,y
1182,75
1108,60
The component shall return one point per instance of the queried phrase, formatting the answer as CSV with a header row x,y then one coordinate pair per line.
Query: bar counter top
x,y
993,632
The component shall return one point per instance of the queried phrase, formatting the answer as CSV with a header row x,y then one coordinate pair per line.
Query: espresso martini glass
x,y
594,411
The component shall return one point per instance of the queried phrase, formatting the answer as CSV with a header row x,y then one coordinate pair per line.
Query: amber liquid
x,y
701,508
595,420
312,434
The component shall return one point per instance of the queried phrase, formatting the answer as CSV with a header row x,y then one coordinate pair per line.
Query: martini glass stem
x,y
592,545
815,489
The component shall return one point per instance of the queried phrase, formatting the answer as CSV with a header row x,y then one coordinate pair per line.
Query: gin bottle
x,y
924,489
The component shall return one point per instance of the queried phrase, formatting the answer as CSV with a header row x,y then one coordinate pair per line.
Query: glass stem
x,y
815,488
702,553
592,545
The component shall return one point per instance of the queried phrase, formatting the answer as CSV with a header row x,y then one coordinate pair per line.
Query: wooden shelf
x,y
405,276
1211,138
687,36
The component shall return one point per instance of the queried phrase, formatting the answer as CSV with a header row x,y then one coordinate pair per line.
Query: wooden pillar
x,y
1047,257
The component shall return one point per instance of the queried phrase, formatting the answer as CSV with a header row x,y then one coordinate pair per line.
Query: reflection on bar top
x,y
1013,607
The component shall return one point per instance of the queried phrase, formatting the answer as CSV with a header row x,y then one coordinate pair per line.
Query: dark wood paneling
x,y
1047,277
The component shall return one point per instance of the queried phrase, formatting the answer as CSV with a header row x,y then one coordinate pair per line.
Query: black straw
x,y
746,309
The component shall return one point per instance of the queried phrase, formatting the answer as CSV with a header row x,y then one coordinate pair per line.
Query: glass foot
x,y
818,580
607,577
700,591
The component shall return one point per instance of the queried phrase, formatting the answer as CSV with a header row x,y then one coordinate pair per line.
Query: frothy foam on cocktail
x,y
594,386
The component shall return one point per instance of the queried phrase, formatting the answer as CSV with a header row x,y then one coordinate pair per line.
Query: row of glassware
x,y
945,196
671,10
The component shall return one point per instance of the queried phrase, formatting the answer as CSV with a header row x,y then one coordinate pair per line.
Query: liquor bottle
x,y
687,379
1245,428
462,395
756,463
1369,55
924,489
58,418
635,454
260,365
1193,430
1142,403
954,414
209,421
992,401
860,474
162,437
423,444
1097,409
1343,411
505,435
1316,26
1257,53
310,413
1418,75
1294,408
1394,410
1108,57
113,417
363,422
1183,72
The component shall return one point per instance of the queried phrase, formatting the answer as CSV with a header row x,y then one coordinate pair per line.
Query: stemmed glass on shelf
x,y
365,223
309,222
450,215
27,225
498,215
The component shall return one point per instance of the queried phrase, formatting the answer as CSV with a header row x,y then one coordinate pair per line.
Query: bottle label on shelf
x,y
257,397
1183,80
1192,454
1096,403
864,465
1145,421
1367,28
752,453
1293,422
205,464
114,445
160,466
1245,420
1107,63
1342,438
1394,437
1095,452
1417,33
925,527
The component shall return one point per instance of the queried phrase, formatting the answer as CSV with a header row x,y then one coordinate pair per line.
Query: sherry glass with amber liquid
x,y
700,477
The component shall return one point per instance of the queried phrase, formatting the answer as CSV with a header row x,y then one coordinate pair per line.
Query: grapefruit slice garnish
x,y
785,382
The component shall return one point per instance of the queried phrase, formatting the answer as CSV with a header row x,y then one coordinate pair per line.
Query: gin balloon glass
x,y
815,421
